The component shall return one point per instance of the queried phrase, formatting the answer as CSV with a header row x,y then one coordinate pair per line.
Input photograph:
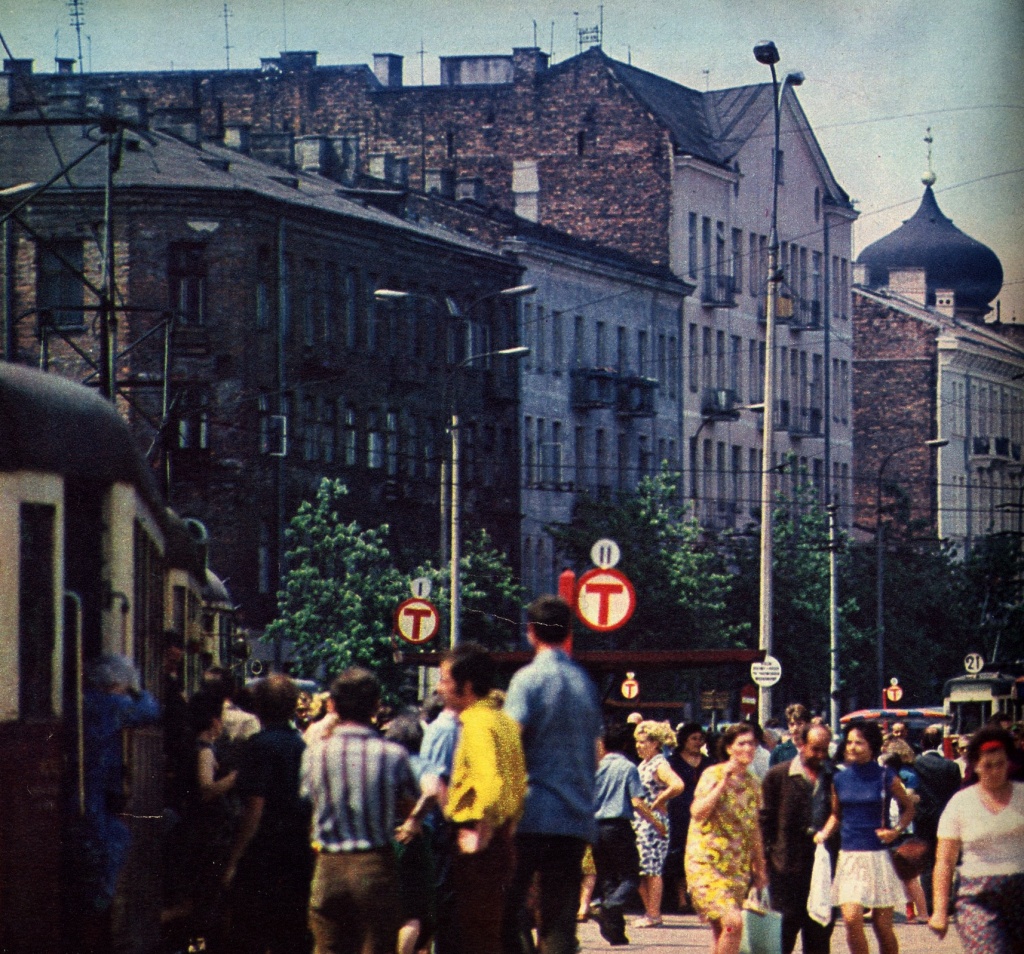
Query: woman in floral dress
x,y
661,784
724,854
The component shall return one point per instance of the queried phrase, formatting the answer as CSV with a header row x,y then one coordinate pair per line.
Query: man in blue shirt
x,y
558,712
619,792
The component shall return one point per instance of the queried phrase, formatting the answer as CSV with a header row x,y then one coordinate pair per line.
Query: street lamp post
x,y
767,54
880,559
452,555
455,616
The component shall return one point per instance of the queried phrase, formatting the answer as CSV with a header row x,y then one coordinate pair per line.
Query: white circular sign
x,y
894,681
766,673
605,554
420,588
974,663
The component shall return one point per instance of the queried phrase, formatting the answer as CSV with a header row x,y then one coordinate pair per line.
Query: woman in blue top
x,y
865,877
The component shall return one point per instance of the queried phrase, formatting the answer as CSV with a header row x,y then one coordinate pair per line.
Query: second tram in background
x,y
971,700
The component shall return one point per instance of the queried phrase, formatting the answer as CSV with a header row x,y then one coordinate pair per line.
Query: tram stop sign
x,y
605,599
630,688
417,621
766,673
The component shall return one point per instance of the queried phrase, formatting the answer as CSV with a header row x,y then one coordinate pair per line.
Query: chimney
x,y
945,302
345,158
19,67
469,189
134,109
527,63
440,182
236,136
387,67
183,122
65,65
313,154
860,274
909,283
297,61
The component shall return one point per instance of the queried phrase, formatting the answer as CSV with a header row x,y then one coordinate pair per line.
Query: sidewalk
x,y
684,933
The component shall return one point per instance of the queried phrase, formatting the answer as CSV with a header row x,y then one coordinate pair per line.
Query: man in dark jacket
x,y
939,779
797,796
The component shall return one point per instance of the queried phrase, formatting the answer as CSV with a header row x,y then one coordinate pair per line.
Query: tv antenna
x,y
77,10
227,40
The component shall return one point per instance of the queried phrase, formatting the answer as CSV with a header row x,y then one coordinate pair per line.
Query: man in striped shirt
x,y
359,784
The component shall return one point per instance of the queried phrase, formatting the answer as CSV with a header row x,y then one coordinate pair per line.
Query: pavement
x,y
684,933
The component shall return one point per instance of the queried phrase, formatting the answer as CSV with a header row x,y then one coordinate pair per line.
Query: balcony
x,y
995,451
636,396
719,404
719,292
805,422
594,388
806,315
981,447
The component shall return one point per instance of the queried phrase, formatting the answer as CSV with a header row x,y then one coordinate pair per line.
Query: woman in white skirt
x,y
865,877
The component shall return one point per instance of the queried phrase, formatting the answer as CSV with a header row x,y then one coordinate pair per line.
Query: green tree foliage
x,y
801,601
342,587
681,581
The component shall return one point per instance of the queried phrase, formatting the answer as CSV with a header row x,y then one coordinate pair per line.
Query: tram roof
x,y
53,425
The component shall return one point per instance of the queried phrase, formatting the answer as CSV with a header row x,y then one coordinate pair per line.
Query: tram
x,y
91,562
971,700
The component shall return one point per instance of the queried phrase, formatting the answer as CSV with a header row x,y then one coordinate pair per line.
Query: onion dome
x,y
950,259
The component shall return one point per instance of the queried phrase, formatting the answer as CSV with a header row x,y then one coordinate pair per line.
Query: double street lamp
x,y
880,556
767,54
515,351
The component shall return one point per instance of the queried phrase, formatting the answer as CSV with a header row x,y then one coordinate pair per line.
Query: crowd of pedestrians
x,y
466,827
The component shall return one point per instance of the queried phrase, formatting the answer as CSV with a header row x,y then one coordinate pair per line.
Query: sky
x,y
878,73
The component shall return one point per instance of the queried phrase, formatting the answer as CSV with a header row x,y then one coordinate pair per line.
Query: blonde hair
x,y
660,732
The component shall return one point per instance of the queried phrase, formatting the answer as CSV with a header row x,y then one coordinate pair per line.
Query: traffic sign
x,y
766,673
417,621
894,693
630,688
605,554
605,599
421,587
748,700
974,663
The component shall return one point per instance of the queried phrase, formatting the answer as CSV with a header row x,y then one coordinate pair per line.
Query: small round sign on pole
x,y
605,599
417,621
974,663
630,688
605,554
766,673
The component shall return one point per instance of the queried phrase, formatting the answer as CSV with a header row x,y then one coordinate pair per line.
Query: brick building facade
x,y
262,284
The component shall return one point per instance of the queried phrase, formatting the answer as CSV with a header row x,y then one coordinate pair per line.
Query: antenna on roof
x,y
227,40
535,34
422,52
551,47
707,80
77,10
284,24
600,27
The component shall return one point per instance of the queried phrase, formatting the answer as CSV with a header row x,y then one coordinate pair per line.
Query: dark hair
x,y
731,733
219,682
203,708
684,731
618,737
796,711
432,707
406,731
274,698
356,695
471,663
932,737
871,733
550,617
989,733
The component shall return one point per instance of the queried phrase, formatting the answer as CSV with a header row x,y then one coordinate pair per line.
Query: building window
x,y
600,359
350,437
264,269
707,357
692,364
735,360
309,300
351,310
372,315
641,352
374,441
673,365
719,359
186,270
264,561
557,344
693,259
59,291
752,262
194,423
709,277
391,443
578,339
737,260
622,349
579,456
328,425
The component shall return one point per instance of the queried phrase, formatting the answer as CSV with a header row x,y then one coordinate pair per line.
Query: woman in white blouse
x,y
985,823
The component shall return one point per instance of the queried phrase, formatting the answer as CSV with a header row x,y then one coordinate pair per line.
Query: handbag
x,y
762,927
908,857
819,898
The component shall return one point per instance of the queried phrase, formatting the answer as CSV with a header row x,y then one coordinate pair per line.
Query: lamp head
x,y
518,291
390,294
795,79
937,442
766,53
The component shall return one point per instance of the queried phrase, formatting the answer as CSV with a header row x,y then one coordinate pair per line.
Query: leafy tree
x,y
342,587
800,600
682,582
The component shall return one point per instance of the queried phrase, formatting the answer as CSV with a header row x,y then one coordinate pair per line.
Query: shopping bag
x,y
819,900
762,927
